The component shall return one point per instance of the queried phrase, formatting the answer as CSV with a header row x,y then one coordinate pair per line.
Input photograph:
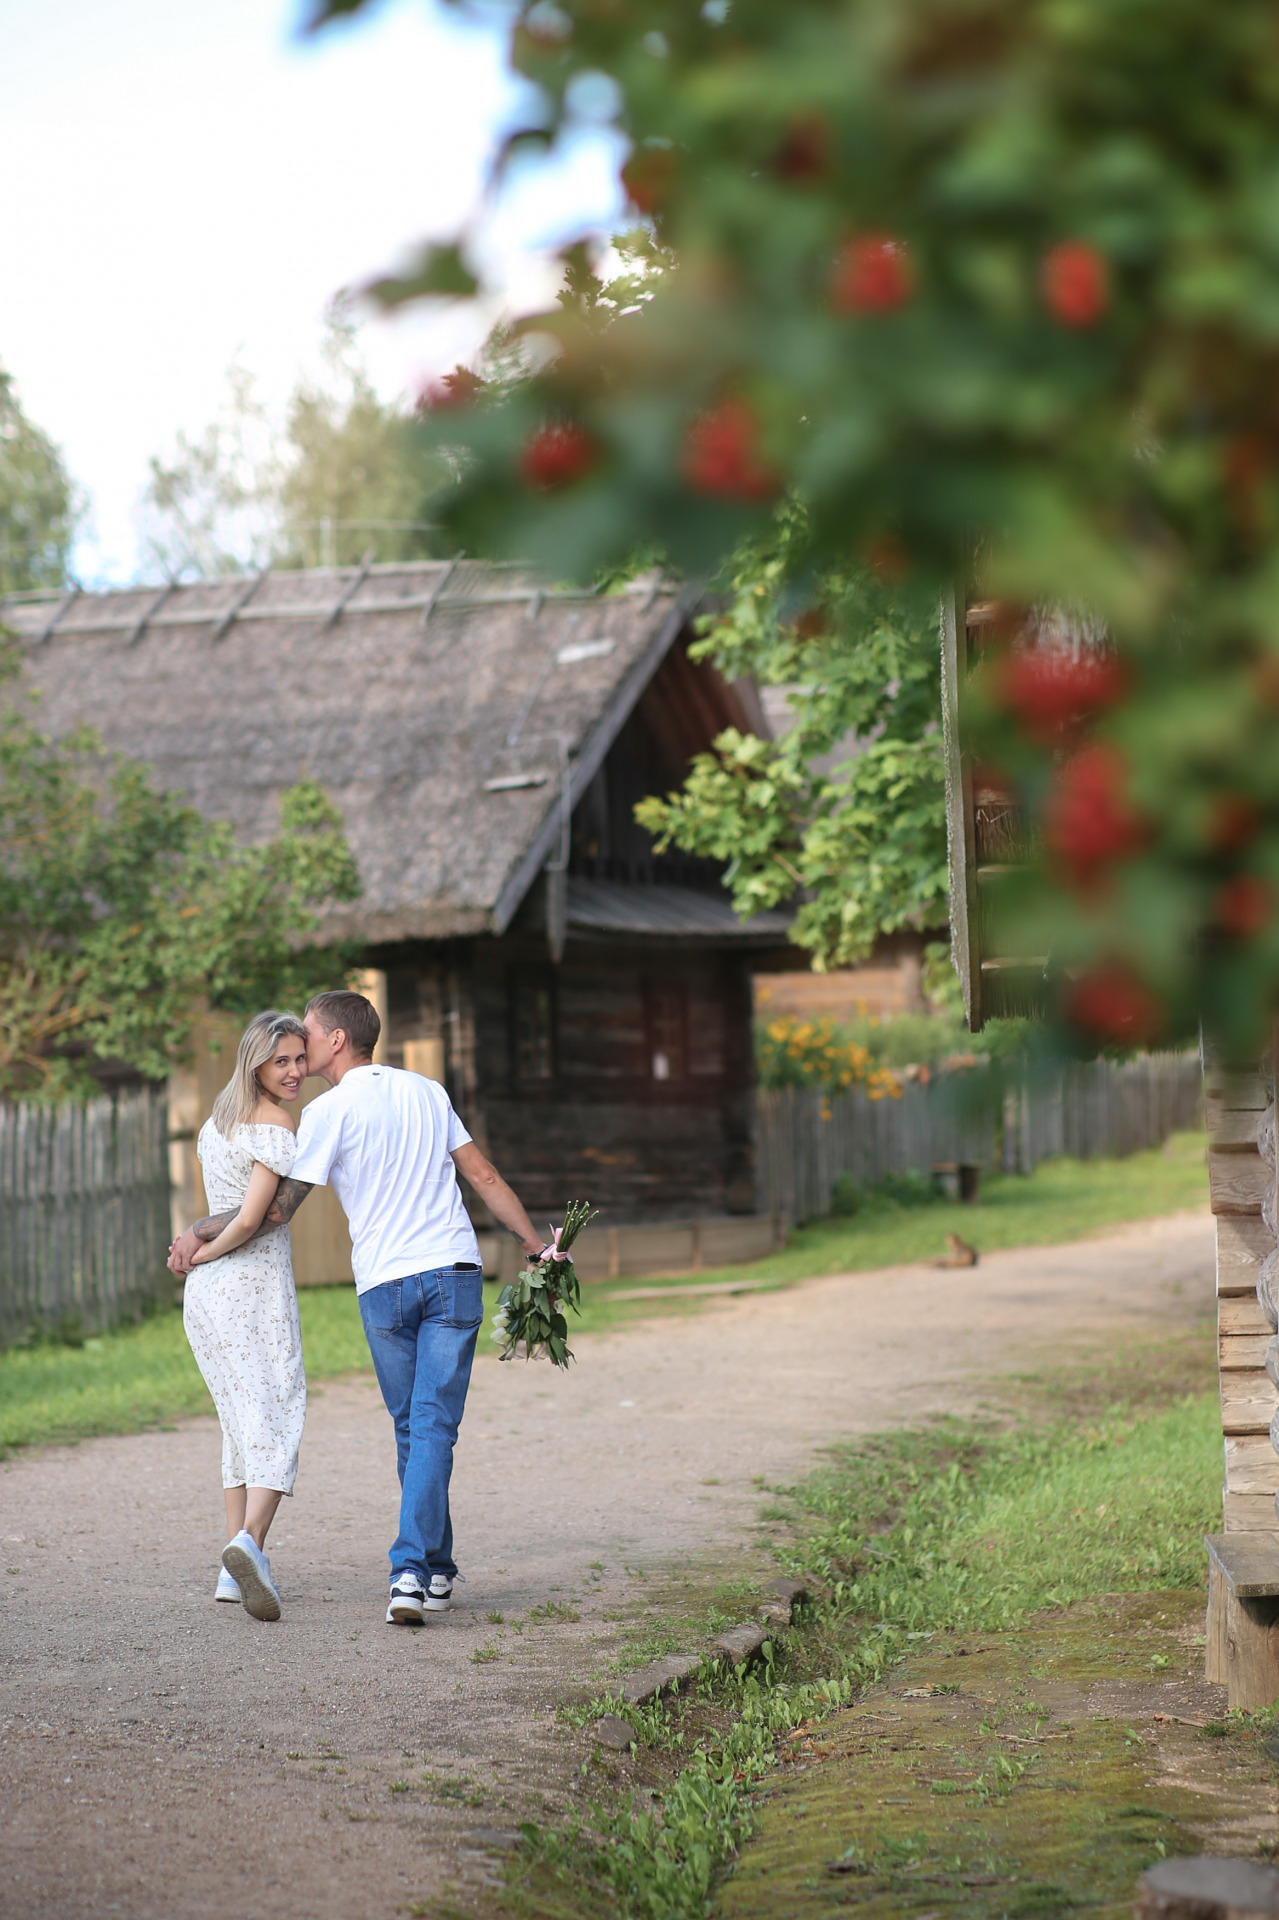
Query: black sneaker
x,y
408,1602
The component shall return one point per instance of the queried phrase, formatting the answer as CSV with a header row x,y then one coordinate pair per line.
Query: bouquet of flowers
x,y
529,1310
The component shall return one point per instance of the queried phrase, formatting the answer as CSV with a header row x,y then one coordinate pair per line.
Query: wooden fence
x,y
1092,1109
1013,1115
806,1140
84,1212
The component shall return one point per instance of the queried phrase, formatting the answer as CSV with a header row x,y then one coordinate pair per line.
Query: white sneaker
x,y
227,1588
408,1602
249,1567
440,1594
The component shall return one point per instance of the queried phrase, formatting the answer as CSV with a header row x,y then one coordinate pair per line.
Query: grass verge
x,y
966,1527
144,1376
1062,1200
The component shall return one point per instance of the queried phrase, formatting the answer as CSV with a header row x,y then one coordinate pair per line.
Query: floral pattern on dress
x,y
241,1318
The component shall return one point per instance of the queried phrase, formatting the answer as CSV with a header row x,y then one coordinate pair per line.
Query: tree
x,y
38,504
341,474
992,286
120,906
849,805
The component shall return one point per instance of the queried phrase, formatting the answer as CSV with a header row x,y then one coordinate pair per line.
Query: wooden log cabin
x,y
485,737
986,836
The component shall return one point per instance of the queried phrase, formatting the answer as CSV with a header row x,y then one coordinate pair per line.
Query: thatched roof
x,y
442,705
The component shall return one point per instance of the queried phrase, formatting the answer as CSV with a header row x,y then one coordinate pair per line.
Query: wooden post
x,y
1243,1616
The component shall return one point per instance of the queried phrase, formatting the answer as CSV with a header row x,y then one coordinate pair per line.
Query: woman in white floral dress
x,y
240,1308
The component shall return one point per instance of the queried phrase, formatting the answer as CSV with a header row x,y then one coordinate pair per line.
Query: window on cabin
x,y
534,1030
667,1031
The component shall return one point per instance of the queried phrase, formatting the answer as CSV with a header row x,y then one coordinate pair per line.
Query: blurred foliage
x,y
341,475
121,907
992,287
848,807
38,504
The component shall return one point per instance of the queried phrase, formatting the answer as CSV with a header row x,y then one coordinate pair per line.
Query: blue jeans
x,y
421,1333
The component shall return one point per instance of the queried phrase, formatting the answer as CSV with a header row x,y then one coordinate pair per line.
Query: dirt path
x,y
163,1758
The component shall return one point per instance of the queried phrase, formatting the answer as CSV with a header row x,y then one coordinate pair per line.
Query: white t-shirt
x,y
381,1139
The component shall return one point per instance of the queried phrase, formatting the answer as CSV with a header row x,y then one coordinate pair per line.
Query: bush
x,y
908,1189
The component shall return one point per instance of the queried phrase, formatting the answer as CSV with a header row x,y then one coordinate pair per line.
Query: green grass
x,y
144,1376
963,1526
1062,1200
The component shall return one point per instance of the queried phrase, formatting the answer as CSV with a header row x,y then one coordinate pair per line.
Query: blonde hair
x,y
234,1106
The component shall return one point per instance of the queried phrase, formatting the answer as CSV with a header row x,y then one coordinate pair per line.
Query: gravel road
x,y
164,1758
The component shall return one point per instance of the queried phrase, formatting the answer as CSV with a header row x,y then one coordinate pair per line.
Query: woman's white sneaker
x,y
408,1602
249,1567
227,1588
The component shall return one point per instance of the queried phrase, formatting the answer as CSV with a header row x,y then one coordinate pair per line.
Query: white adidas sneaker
x,y
408,1602
439,1596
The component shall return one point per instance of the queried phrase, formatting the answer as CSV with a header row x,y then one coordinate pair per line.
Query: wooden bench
x,y
1243,1616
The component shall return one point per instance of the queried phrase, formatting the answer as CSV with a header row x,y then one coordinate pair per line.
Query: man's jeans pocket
x,y
381,1308
461,1296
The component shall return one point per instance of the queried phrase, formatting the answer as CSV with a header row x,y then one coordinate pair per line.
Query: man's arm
x,y
501,1202
289,1196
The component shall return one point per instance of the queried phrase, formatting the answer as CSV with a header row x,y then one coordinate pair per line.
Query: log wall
x,y
1240,1116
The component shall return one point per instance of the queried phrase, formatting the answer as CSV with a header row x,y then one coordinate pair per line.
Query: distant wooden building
x,y
485,737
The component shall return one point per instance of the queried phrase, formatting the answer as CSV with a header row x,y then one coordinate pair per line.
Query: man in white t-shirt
x,y
391,1147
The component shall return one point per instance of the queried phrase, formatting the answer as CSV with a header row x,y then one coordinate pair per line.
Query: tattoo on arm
x,y
212,1224
289,1196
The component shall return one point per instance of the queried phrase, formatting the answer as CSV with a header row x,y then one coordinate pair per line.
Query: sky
x,y
188,183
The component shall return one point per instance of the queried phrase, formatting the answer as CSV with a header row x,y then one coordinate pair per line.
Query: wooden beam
x,y
237,606
1249,1402
961,848
1252,1465
1237,1182
1243,1242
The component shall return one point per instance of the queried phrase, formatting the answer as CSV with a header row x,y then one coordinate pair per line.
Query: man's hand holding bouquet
x,y
530,1311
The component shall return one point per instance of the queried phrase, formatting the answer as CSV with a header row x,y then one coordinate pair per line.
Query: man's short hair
x,y
356,1016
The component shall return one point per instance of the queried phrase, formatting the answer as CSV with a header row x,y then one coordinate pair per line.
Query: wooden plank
x,y
1234,1091
1252,1466
1249,1513
1243,1242
1248,1403
1240,1314
1234,1132
1215,1627
1240,1352
1249,1563
961,849
1237,1182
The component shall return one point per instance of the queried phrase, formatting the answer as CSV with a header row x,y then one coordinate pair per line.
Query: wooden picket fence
x,y
1093,1109
84,1212
1014,1115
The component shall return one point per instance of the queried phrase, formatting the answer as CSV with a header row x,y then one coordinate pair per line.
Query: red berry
x,y
872,275
1047,688
1113,1007
720,454
557,455
804,155
1243,906
647,177
1075,281
1088,822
